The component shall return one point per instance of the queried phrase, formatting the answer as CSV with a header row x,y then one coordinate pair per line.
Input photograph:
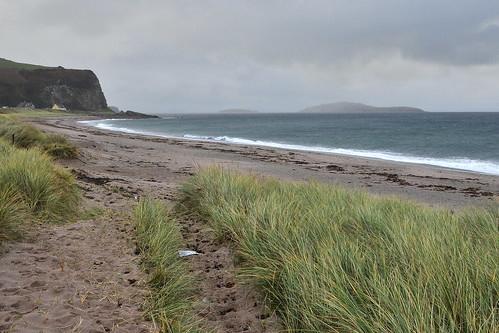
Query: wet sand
x,y
85,276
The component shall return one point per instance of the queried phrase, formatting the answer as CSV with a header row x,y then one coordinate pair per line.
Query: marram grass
x,y
23,135
332,260
159,239
12,214
34,182
32,187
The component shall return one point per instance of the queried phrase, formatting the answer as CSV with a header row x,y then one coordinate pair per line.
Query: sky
x,y
163,56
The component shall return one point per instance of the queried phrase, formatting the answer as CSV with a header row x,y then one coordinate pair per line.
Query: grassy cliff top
x,y
4,63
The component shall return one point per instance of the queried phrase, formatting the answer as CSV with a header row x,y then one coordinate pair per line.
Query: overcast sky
x,y
282,55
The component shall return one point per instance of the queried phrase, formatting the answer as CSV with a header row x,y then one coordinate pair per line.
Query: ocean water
x,y
466,141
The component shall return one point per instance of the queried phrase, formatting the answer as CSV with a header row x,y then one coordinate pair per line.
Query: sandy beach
x,y
82,277
157,163
249,167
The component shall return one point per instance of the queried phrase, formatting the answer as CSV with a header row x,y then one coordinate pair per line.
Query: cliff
x,y
45,86
348,107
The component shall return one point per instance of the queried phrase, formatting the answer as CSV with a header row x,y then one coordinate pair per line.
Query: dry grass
x,y
332,260
12,214
32,187
23,135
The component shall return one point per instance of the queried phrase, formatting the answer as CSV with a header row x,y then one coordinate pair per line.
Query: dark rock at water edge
x,y
134,115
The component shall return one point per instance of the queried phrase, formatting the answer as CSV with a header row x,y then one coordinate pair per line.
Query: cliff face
x,y
44,87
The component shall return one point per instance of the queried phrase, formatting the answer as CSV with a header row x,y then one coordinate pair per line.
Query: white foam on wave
x,y
453,163
488,167
105,125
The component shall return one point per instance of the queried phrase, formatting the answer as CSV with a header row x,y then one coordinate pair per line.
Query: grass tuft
x,y
12,214
26,136
19,134
332,260
58,147
159,239
48,191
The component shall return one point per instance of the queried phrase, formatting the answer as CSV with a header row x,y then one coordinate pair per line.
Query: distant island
x,y
348,107
237,111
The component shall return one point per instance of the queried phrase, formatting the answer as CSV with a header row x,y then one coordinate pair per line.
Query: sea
x,y
458,140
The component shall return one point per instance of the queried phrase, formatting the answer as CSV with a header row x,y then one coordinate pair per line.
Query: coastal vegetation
x,y
33,188
23,135
5,63
20,113
12,214
334,260
159,239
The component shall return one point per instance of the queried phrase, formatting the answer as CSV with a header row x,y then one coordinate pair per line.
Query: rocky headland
x,y
46,87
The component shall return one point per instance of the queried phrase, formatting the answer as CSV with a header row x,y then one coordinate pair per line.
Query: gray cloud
x,y
181,56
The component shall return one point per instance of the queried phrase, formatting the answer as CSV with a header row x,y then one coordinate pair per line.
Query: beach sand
x,y
151,163
86,276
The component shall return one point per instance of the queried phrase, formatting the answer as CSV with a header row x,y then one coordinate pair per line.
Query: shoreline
x,y
95,262
444,163
177,158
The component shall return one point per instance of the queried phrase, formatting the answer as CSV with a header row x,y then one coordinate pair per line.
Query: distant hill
x,y
27,84
348,107
237,111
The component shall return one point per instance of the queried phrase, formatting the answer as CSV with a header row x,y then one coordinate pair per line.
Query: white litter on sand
x,y
187,253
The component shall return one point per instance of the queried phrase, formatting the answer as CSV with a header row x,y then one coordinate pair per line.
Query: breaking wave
x,y
488,167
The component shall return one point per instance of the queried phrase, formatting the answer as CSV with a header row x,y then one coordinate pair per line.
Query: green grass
x,y
45,190
4,63
33,189
23,135
13,213
58,147
20,113
16,113
332,260
159,239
